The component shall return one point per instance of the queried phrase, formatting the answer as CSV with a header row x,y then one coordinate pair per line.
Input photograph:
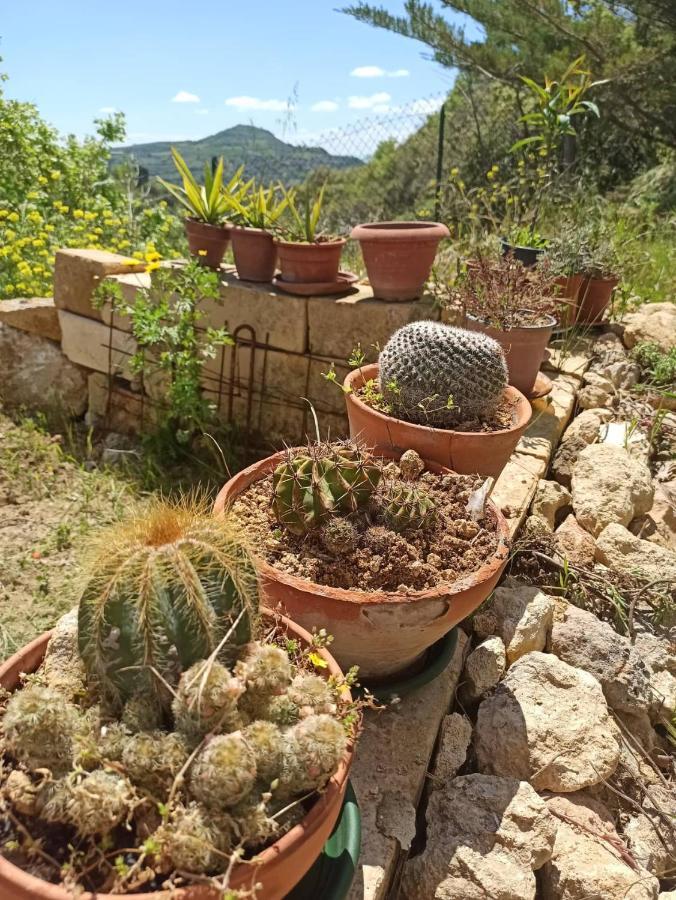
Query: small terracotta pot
x,y
465,452
524,349
384,633
279,867
399,255
212,238
569,289
594,297
310,263
255,254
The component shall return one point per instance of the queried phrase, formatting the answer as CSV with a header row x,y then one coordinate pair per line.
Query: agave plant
x,y
211,201
261,208
303,223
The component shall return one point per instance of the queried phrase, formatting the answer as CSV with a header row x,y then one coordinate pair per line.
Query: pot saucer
x,y
343,282
543,386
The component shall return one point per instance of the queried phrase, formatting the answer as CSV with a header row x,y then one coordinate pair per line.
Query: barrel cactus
x,y
408,508
308,489
168,586
435,374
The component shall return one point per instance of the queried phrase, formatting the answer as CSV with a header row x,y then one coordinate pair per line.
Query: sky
x,y
181,70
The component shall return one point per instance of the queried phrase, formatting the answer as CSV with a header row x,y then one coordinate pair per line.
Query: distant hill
x,y
264,156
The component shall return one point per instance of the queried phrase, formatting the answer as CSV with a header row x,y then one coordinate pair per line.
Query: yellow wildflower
x,y
78,214
55,175
201,252
13,217
42,179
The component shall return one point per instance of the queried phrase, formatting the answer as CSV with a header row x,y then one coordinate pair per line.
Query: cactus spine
x,y
408,508
434,374
167,585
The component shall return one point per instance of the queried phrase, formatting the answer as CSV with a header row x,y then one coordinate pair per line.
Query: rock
x,y
651,842
583,430
547,723
663,685
597,379
535,526
454,739
622,374
626,435
658,653
549,498
36,315
668,895
37,376
654,322
587,863
582,640
618,548
521,615
485,838
574,543
608,486
484,668
592,395
658,525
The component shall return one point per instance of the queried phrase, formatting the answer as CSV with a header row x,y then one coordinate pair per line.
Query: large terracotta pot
x,y
466,452
524,349
568,292
255,253
279,867
594,297
212,238
384,633
310,263
399,255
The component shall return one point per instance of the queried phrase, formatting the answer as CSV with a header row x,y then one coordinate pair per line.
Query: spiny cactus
x,y
40,727
311,694
98,801
435,374
339,536
224,772
141,713
266,743
206,699
166,586
407,508
265,669
308,489
153,759
62,669
312,751
191,841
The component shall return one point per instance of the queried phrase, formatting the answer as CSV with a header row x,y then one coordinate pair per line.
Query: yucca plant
x,y
261,207
302,225
211,201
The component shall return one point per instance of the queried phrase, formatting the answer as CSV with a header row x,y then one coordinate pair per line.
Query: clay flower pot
x,y
465,452
569,289
399,255
255,254
524,349
278,868
594,297
384,633
210,238
310,263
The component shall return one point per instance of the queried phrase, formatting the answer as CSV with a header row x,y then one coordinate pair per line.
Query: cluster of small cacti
x,y
247,731
439,375
408,507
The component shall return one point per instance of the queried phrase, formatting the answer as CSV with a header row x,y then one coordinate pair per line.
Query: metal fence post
x,y
440,161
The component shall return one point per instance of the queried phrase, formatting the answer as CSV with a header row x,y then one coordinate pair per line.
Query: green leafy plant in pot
x,y
306,255
600,270
566,257
255,217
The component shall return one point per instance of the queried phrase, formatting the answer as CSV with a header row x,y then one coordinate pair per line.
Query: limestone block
x,y
86,342
77,274
550,416
112,403
36,315
516,486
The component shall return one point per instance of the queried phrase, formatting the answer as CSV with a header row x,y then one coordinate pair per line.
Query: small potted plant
x,y
207,206
399,256
306,256
253,246
566,255
443,392
599,269
524,244
514,305
168,739
385,551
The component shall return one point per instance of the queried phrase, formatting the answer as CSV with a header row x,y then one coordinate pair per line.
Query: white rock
x,y
651,842
574,543
547,723
618,548
454,739
484,668
659,653
586,863
608,486
654,322
586,425
593,395
521,615
485,838
550,497
663,685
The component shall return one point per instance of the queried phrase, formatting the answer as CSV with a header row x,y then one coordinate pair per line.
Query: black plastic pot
x,y
526,255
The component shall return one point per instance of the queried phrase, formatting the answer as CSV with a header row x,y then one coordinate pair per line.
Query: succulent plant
x,y
311,694
223,772
435,374
312,751
22,794
206,700
98,801
309,488
167,586
339,536
407,508
265,669
266,743
40,727
190,841
153,759
62,668
141,713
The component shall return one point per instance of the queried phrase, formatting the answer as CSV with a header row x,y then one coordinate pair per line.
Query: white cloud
x,y
107,110
377,102
257,103
185,97
377,72
324,106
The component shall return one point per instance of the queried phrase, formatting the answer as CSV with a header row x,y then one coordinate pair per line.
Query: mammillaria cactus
x,y
206,700
224,772
40,727
312,750
439,375
408,508
309,488
168,585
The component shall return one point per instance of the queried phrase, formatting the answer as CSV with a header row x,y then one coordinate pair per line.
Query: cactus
x,y
153,759
62,669
265,670
311,694
339,536
308,489
406,508
98,801
40,728
266,743
434,374
312,751
22,794
206,700
223,772
141,713
167,586
191,842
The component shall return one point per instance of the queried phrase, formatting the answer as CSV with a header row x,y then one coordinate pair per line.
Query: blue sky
x,y
181,70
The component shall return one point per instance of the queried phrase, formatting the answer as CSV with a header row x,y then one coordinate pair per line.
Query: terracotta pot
x,y
255,254
384,633
310,263
399,255
526,255
594,297
212,238
465,452
524,349
280,866
569,289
